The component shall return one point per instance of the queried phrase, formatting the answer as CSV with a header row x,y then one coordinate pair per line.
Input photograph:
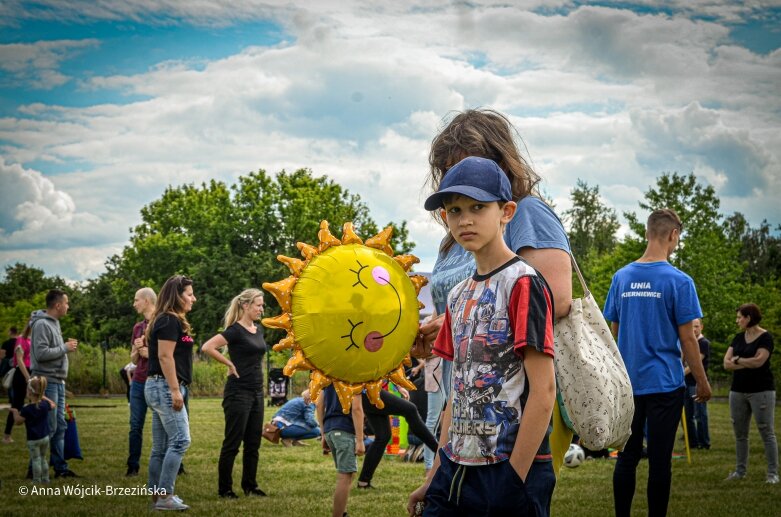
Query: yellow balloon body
x,y
355,313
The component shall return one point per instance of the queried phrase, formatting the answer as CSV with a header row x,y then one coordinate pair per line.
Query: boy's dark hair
x,y
751,311
13,330
662,222
53,297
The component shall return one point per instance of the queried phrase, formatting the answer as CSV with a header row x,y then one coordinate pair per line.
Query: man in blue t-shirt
x,y
652,307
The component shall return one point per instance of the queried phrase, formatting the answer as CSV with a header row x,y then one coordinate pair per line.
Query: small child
x,y
35,417
343,436
498,331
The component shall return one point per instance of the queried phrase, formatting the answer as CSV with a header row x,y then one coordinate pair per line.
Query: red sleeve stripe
x,y
443,346
532,309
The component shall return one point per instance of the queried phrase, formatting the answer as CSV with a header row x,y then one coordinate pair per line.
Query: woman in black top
x,y
752,390
243,396
170,372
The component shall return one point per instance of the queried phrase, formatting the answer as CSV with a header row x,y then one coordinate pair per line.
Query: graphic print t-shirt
x,y
489,321
168,328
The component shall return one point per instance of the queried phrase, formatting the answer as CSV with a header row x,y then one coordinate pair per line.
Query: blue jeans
x,y
436,401
137,417
300,432
57,426
38,451
696,420
170,435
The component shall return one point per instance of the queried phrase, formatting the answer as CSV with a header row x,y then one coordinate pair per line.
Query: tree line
x,y
227,237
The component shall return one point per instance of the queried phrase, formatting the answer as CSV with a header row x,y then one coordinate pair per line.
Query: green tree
x,y
22,282
760,248
705,252
592,224
226,238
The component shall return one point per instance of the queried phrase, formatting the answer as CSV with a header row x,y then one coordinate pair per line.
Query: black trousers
x,y
243,423
662,412
18,392
378,419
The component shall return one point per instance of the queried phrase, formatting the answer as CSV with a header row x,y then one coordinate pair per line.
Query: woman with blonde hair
x,y
169,375
243,395
35,416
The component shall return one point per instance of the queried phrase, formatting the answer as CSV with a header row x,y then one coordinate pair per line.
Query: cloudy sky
x,y
104,104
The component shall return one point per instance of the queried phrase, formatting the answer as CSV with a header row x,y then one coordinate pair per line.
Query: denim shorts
x,y
342,446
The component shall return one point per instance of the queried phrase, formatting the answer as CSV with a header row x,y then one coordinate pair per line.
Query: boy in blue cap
x,y
498,331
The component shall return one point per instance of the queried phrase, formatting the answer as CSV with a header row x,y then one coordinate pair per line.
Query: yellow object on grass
x,y
560,438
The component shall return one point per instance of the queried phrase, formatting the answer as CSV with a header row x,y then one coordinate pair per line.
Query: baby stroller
x,y
278,387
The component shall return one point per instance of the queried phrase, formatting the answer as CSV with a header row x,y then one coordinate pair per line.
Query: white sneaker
x,y
172,503
772,479
734,476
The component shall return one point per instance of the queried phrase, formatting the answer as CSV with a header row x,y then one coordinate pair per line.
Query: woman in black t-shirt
x,y
170,372
752,390
243,396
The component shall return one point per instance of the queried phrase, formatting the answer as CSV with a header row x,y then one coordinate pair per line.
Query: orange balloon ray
x,y
306,250
381,241
418,281
278,322
281,291
326,238
398,378
346,392
294,265
349,236
296,363
406,261
317,382
373,392
285,343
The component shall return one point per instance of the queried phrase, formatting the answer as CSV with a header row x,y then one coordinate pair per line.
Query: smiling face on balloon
x,y
350,312
354,312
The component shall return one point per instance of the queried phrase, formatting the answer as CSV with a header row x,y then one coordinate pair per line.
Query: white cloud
x,y
73,264
37,64
695,137
36,215
358,90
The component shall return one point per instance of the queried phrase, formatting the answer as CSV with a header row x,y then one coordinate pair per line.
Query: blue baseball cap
x,y
478,178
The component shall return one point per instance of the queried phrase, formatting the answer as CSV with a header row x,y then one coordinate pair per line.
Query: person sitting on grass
x,y
296,420
343,437
35,417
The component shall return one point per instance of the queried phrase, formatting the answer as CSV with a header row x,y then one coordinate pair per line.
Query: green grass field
x,y
299,480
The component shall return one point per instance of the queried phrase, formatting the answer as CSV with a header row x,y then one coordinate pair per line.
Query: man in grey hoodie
x,y
49,358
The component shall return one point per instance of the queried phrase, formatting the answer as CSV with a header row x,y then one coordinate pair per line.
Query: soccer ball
x,y
574,456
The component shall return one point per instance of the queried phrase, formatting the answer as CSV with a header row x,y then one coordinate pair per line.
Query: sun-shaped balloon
x,y
351,313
